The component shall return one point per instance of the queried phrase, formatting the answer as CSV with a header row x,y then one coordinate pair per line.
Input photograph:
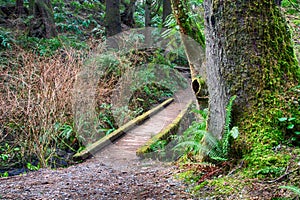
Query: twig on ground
x,y
234,170
282,176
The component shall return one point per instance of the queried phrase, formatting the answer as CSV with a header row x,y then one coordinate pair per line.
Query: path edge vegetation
x,y
109,139
279,79
271,93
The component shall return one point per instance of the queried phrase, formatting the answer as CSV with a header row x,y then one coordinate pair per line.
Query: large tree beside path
x,y
249,53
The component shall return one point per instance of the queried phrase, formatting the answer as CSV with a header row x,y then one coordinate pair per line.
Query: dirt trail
x,y
114,173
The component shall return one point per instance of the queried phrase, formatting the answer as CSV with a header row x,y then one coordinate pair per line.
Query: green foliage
x,y
139,15
110,65
8,153
189,176
32,167
5,39
264,139
177,54
197,140
158,146
7,2
71,20
196,14
48,47
295,189
147,95
75,25
5,174
149,78
292,6
191,139
275,171
172,27
107,123
44,46
66,136
290,125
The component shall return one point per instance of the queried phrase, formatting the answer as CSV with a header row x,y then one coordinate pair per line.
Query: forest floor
x,y
143,179
96,180
114,173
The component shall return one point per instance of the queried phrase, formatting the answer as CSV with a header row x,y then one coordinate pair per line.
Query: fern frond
x,y
196,139
203,113
295,189
228,114
210,140
227,132
188,146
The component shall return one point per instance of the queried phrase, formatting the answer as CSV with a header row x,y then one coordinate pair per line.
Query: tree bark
x,y
249,54
42,25
148,13
127,15
20,7
113,17
194,45
167,9
278,2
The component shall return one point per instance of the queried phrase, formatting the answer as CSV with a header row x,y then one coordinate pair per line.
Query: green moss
x,y
225,186
264,87
263,135
260,159
200,186
189,176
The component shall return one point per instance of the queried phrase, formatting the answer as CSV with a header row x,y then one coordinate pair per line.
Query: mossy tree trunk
x,y
113,17
42,25
194,45
249,54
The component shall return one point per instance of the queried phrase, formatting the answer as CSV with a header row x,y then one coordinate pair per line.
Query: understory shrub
x,y
36,105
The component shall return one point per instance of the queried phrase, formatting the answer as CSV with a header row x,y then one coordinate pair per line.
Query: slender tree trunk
x,y
148,13
194,45
20,7
42,25
167,9
249,54
147,32
113,17
127,15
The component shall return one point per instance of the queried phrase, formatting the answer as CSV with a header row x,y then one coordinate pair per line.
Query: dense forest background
x,y
44,45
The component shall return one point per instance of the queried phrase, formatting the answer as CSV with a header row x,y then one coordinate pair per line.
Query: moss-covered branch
x,y
194,44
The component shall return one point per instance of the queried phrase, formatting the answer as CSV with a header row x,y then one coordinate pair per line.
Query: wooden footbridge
x,y
130,142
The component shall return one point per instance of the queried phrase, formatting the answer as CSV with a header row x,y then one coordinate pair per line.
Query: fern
x,y
172,27
227,132
212,147
228,114
295,189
